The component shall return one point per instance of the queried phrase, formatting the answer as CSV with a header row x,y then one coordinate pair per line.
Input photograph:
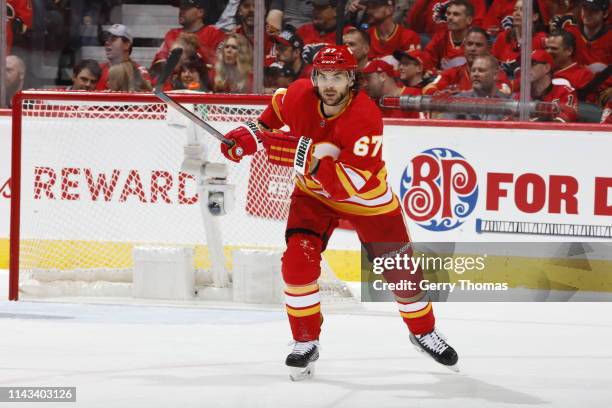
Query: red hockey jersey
x,y
351,177
595,53
578,77
506,49
17,9
561,92
442,53
402,39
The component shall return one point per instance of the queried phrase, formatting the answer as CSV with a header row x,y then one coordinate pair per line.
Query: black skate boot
x,y
301,360
437,348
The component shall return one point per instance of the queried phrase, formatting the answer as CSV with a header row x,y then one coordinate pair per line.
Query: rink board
x,y
487,158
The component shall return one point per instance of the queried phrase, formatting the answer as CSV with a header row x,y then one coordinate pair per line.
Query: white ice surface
x,y
511,355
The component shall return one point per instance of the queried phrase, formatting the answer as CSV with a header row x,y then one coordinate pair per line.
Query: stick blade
x,y
171,63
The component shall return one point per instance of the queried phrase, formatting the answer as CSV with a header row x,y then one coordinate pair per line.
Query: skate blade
x,y
454,368
301,373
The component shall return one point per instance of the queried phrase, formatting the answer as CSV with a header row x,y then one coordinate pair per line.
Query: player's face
x,y
333,87
475,45
592,18
230,51
560,54
116,49
359,47
408,69
324,18
457,18
482,75
246,11
374,85
378,14
84,80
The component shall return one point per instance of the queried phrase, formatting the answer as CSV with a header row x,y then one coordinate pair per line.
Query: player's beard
x,y
332,100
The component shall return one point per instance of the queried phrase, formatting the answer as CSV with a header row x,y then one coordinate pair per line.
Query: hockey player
x,y
340,174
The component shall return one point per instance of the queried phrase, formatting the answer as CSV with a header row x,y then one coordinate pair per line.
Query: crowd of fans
x,y
464,48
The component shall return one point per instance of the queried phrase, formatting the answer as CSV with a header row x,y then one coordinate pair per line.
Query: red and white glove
x,y
287,150
247,140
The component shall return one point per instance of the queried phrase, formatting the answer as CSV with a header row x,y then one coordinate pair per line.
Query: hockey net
x,y
101,173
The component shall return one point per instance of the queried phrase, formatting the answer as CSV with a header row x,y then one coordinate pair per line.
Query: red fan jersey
x,y
351,177
428,16
310,35
561,92
443,53
401,39
499,10
578,77
457,79
103,82
17,9
400,113
507,49
210,37
594,53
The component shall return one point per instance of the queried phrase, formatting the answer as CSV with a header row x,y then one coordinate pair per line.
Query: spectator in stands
x,y
380,81
276,76
118,44
288,12
429,16
544,89
245,18
359,42
483,75
191,18
411,69
193,76
85,75
457,79
385,35
593,34
561,45
234,67
500,17
289,47
507,46
445,50
322,28
125,77
19,20
15,77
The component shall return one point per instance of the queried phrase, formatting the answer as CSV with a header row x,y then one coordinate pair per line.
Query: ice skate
x,y
302,359
434,345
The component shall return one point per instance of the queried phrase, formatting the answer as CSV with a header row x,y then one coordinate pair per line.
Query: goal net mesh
x,y
98,178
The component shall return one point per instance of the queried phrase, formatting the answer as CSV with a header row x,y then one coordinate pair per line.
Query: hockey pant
x,y
309,227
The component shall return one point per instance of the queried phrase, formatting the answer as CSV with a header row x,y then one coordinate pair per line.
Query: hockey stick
x,y
171,63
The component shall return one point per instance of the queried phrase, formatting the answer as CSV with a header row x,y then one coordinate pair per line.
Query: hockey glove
x,y
289,151
247,139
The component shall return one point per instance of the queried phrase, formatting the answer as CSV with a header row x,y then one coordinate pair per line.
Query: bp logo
x,y
439,189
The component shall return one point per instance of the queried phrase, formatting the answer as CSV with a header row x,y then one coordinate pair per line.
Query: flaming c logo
x,y
439,189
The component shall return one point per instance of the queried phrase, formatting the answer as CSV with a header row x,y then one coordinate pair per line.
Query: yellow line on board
x,y
526,272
